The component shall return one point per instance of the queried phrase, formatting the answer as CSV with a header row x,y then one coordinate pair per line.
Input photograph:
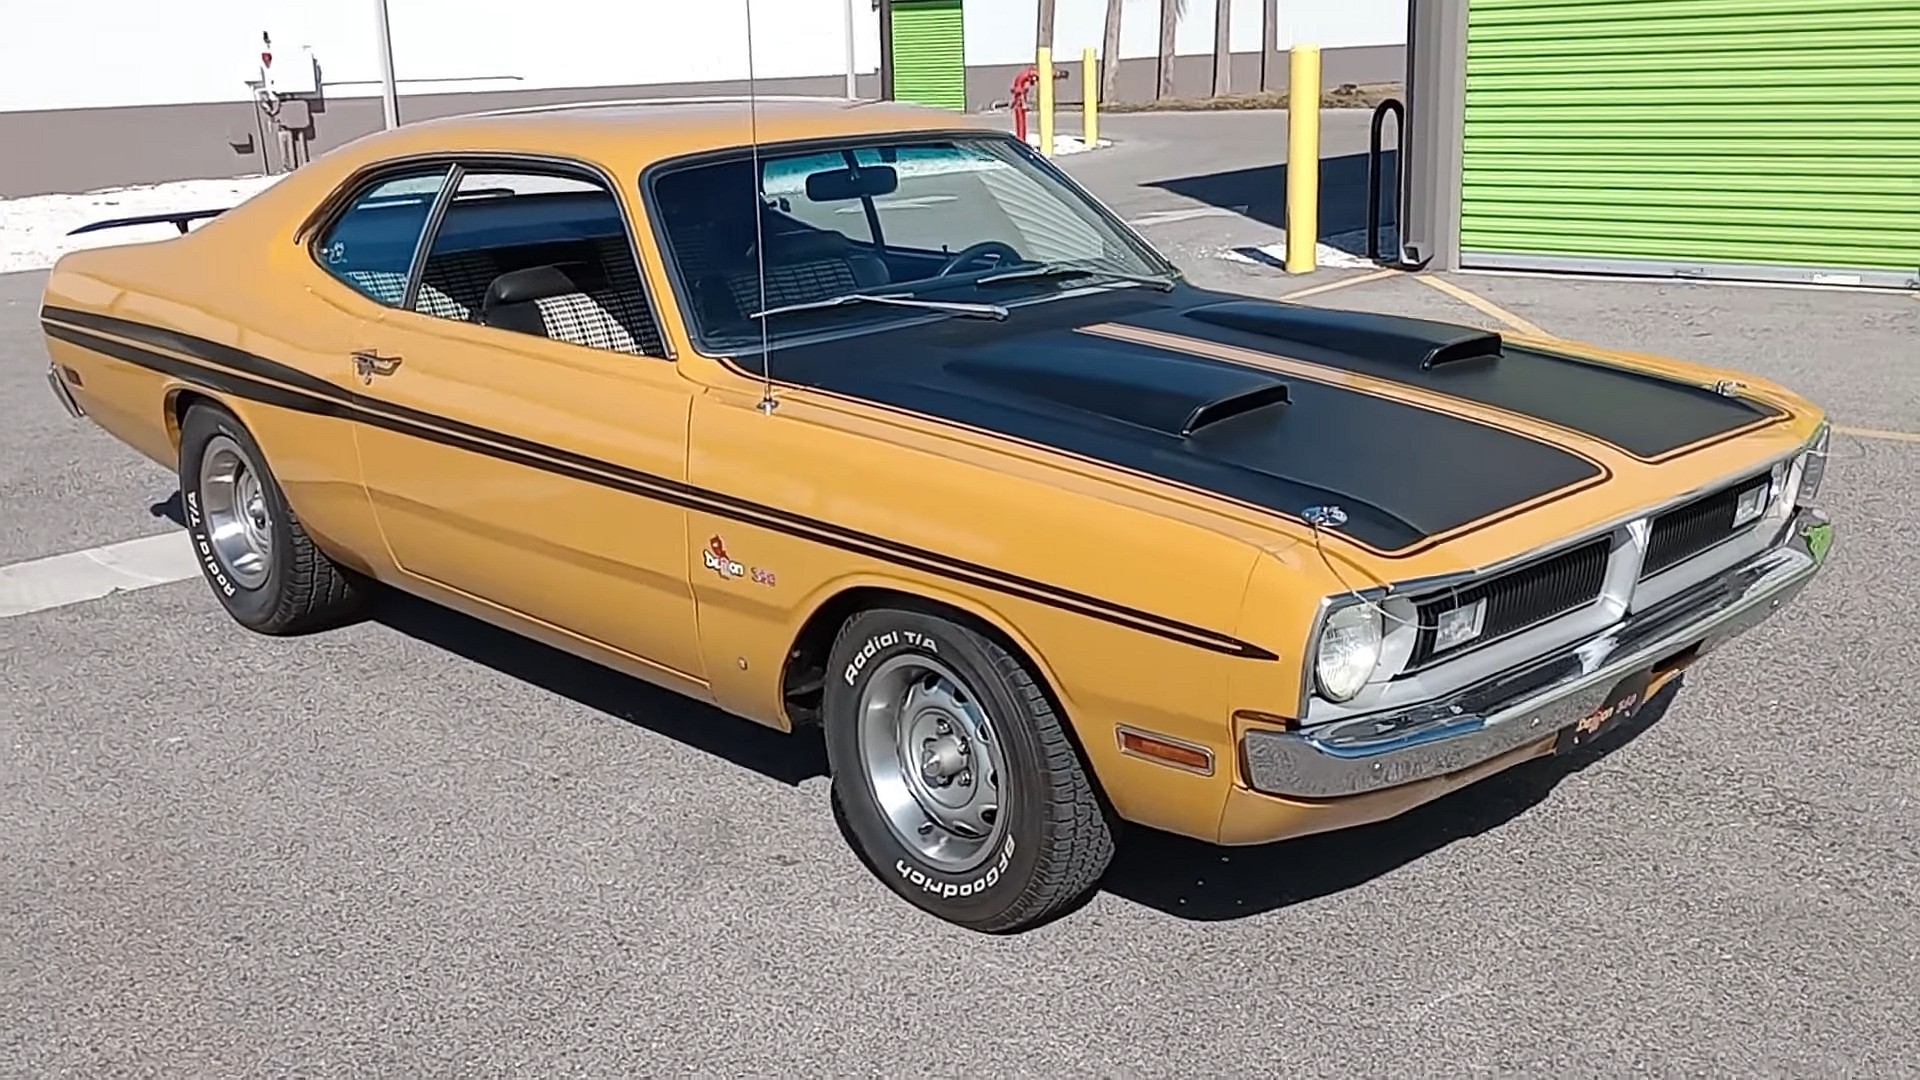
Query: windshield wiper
x,y
1067,269
984,311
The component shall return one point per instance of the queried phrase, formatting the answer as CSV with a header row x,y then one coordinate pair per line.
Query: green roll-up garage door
x,y
1758,139
929,53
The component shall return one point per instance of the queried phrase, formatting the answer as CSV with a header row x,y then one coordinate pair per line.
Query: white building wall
x,y
69,54
1002,31
96,53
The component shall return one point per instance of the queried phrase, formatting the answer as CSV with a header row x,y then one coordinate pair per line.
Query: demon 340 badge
x,y
718,561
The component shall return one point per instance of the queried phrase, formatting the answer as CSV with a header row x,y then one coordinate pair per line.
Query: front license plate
x,y
1622,702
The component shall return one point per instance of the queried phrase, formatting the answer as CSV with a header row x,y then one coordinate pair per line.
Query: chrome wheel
x,y
234,505
934,760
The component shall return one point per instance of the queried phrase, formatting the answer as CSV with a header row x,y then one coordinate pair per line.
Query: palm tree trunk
x,y
1171,12
1110,52
1222,47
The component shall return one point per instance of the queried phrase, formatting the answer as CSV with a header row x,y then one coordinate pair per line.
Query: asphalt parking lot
x,y
420,846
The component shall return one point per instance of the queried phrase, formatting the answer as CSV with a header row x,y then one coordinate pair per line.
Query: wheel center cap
x,y
943,758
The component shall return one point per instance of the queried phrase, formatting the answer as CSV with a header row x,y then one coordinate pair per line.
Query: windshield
x,y
941,220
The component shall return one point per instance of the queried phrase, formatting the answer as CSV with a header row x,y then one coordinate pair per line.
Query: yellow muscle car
x,y
867,416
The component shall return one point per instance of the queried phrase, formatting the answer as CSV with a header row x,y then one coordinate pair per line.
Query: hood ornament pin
x,y
1324,517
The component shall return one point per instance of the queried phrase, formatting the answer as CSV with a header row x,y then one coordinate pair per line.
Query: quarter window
x,y
539,253
371,246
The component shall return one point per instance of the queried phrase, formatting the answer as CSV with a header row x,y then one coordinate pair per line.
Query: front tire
x,y
261,564
956,778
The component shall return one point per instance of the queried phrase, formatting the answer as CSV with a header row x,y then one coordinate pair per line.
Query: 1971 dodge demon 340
x,y
867,416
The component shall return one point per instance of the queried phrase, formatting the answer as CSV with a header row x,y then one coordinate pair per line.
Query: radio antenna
x,y
767,403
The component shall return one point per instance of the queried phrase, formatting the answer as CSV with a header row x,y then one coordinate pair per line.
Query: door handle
x,y
367,364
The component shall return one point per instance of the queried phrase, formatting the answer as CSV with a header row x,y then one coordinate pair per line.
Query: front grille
x,y
1519,598
1686,531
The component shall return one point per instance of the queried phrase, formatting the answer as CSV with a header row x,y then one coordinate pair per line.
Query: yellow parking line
x,y
1878,433
1341,284
1484,306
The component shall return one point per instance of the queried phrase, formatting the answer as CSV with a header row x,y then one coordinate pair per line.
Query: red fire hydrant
x,y
1022,83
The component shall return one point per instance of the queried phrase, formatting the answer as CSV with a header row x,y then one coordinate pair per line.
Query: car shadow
x,y
788,758
1260,193
1207,883
171,508
1184,878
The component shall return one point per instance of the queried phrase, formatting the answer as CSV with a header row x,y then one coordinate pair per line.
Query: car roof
x,y
630,134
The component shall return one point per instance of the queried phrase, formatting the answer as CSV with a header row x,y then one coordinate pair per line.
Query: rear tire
x,y
261,564
956,778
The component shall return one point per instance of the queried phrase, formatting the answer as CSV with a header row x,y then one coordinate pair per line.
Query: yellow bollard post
x,y
1303,159
1089,97
1043,67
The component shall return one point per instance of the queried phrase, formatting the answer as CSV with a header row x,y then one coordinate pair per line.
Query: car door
x,y
531,429
360,256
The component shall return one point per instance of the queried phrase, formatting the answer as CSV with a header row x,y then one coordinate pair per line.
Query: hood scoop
x,y
1166,392
1395,339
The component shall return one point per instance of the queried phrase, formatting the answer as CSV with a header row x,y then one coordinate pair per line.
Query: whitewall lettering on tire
x,y
949,889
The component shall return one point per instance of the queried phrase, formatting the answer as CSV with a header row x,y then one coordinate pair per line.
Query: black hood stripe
x,y
1408,475
1286,365
1645,415
225,370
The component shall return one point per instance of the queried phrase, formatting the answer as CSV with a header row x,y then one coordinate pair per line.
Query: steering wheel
x,y
974,252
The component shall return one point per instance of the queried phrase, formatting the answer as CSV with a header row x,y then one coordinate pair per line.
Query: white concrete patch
x,y
33,228
78,576
1067,144
1191,213
1275,255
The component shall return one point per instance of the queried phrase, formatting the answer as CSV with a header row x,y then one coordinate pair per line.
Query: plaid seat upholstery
x,y
454,282
612,314
386,286
792,283
800,267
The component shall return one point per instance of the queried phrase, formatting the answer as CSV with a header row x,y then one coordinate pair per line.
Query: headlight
x,y
1813,464
1349,651
1796,482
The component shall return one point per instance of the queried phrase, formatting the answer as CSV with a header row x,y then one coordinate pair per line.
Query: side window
x,y
536,253
370,247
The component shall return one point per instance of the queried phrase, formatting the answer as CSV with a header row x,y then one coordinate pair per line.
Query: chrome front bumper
x,y
1541,698
65,395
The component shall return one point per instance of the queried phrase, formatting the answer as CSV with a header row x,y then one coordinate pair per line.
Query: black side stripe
x,y
258,379
212,352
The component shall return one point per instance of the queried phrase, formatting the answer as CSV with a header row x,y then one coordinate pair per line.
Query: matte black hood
x,y
1403,473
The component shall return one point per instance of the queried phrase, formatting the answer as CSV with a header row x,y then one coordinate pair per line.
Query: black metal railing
x,y
1375,159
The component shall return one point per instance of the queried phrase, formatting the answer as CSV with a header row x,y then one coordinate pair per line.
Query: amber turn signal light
x,y
1159,748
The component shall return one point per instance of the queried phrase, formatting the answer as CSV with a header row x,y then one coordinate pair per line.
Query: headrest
x,y
806,246
532,283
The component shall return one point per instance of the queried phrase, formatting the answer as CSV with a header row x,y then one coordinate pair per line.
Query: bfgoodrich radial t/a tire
x,y
955,775
261,564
